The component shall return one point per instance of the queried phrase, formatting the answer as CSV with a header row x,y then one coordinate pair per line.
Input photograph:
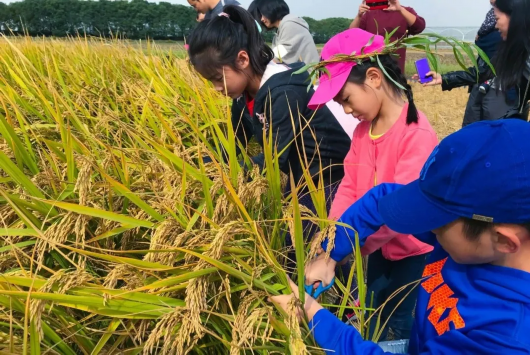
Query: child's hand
x,y
311,306
320,270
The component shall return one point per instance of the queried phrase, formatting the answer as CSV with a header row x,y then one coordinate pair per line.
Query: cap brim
x,y
409,211
328,89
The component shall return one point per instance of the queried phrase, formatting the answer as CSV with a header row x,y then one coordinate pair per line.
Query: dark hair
x,y
216,43
274,10
511,59
358,76
473,229
253,9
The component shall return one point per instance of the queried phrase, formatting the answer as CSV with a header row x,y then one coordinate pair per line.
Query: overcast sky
x,y
437,13
446,13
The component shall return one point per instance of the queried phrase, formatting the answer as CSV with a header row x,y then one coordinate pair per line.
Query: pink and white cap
x,y
348,42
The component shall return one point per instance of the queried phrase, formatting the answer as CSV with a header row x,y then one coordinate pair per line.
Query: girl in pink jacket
x,y
390,145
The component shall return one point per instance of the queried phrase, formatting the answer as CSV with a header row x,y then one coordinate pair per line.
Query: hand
x,y
436,78
394,5
320,270
363,8
311,306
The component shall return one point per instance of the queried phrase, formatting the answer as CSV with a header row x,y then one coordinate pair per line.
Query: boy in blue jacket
x,y
474,195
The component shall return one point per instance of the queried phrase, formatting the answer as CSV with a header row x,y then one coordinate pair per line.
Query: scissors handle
x,y
319,290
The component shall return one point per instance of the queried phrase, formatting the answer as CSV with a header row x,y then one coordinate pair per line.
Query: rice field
x,y
445,110
116,237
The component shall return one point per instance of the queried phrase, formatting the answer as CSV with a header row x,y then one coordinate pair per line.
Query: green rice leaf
x,y
387,75
303,69
298,238
114,324
94,212
232,271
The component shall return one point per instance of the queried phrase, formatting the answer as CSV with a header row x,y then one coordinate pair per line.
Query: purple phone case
x,y
422,66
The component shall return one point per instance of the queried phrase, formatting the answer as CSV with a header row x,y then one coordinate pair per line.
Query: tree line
x,y
135,19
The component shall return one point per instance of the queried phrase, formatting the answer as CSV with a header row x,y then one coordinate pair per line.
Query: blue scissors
x,y
319,290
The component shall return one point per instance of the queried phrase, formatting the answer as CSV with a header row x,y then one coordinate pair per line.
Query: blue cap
x,y
481,172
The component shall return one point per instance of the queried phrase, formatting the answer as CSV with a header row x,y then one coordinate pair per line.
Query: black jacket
x,y
489,44
316,136
515,96
460,78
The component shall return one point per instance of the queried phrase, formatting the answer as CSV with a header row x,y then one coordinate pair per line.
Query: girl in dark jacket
x,y
230,52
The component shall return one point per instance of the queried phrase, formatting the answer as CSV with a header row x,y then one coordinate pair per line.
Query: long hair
x,y
217,42
274,10
511,59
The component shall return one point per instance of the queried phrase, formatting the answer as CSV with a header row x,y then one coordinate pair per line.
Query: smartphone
x,y
422,67
377,4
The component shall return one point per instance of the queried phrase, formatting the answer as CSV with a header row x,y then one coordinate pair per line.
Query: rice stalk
x,y
116,236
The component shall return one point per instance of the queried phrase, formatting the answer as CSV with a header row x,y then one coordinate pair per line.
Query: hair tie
x,y
224,14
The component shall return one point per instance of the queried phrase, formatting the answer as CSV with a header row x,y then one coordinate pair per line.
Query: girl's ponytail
x,y
217,42
392,68
259,53
412,113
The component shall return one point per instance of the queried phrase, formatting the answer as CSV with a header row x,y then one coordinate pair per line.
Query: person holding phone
x,y
508,93
405,19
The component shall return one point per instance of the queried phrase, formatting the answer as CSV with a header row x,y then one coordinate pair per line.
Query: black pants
x,y
384,277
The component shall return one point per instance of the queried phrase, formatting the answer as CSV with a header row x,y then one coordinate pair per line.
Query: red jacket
x,y
382,22
396,157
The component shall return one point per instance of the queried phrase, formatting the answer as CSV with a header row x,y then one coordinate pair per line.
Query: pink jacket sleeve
x,y
345,195
413,151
